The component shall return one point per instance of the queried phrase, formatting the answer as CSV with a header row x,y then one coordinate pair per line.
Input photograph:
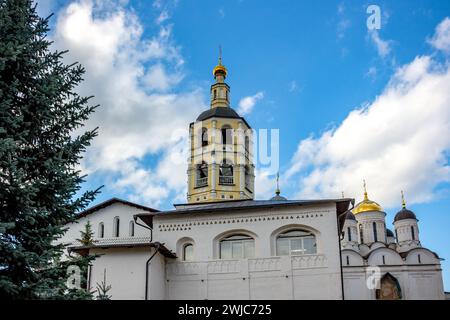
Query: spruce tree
x,y
39,153
87,235
81,259
103,289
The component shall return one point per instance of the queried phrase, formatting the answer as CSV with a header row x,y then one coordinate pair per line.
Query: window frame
x,y
101,230
375,232
234,240
131,230
295,238
226,134
116,227
183,251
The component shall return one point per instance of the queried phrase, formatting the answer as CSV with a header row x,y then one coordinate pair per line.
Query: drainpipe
x,y
147,263
89,277
340,237
158,245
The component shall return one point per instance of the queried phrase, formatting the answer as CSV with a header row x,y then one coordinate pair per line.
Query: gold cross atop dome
x,y
277,191
403,200
366,205
220,69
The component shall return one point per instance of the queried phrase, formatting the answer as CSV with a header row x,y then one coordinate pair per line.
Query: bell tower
x,y
221,149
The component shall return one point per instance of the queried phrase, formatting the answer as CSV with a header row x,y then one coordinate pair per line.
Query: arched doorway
x,y
389,288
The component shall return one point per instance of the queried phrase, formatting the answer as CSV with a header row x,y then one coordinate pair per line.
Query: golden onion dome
x,y
220,68
366,205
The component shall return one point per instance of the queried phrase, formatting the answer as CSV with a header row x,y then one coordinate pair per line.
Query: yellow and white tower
x,y
221,159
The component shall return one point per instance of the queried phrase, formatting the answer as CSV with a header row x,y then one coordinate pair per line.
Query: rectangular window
x,y
283,247
225,250
249,249
237,250
309,244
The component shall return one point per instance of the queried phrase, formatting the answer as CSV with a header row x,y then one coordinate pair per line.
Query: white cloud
x,y
343,23
383,46
157,78
293,86
441,39
163,16
342,26
265,184
400,141
140,111
246,104
371,73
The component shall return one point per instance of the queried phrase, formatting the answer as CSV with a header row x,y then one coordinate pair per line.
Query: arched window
x,y
116,229
204,137
215,94
247,176
349,234
101,230
348,260
226,173
201,173
296,242
247,144
375,235
361,235
237,246
131,228
413,235
226,94
188,252
227,135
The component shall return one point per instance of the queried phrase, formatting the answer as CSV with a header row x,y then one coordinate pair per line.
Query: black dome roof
x,y
404,214
350,216
220,112
278,198
389,233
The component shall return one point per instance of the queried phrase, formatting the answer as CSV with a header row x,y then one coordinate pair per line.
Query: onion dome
x,y
220,69
367,204
277,196
350,216
389,233
404,213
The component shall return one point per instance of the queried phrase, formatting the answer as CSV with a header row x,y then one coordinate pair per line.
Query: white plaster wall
x,y
404,235
208,277
366,220
106,215
417,282
157,279
125,271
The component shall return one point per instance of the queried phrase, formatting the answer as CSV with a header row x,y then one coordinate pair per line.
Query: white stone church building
x,y
224,244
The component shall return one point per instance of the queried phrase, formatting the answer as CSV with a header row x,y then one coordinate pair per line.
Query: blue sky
x,y
350,103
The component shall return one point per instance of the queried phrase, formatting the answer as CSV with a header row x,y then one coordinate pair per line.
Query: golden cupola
x,y
220,68
366,205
